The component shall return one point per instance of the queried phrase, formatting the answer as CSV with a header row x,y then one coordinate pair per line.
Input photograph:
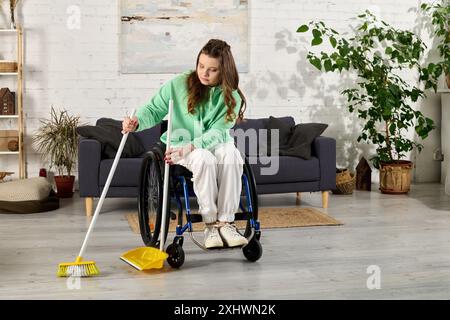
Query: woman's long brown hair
x,y
229,80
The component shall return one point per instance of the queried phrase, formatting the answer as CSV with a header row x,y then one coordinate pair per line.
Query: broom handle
x,y
166,180
105,189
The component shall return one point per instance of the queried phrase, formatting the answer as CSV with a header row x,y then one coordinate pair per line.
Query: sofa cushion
x,y
303,135
126,175
284,133
250,129
246,135
149,137
108,132
290,169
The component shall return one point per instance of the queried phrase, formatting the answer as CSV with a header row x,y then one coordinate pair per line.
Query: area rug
x,y
268,217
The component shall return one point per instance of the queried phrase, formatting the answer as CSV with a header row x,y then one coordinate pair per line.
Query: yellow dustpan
x,y
147,257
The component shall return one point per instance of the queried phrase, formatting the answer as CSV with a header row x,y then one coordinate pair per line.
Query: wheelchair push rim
x,y
150,201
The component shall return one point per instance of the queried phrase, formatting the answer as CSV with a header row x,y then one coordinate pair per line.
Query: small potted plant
x,y
381,97
57,141
440,19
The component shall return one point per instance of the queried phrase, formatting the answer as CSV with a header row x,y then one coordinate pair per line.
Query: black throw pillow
x,y
284,130
109,133
303,135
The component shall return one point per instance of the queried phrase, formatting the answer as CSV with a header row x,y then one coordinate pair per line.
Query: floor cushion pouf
x,y
27,196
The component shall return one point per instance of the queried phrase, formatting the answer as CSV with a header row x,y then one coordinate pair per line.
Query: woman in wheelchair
x,y
207,103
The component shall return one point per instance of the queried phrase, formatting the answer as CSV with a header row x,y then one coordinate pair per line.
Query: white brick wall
x,y
79,70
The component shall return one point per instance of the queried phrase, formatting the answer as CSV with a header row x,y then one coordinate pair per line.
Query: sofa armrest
x,y
89,157
324,149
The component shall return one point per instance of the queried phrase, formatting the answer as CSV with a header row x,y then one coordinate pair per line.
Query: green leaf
x,y
388,50
343,51
363,27
333,42
316,33
363,115
316,63
392,128
316,41
327,65
303,28
334,56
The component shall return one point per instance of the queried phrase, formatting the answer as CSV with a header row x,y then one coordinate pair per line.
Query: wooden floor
x,y
406,237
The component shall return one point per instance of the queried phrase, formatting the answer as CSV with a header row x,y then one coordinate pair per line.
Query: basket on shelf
x,y
3,174
345,181
8,66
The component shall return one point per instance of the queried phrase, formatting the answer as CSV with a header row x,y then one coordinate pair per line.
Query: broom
x,y
81,268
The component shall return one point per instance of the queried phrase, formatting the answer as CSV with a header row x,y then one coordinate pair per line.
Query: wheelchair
x,y
180,186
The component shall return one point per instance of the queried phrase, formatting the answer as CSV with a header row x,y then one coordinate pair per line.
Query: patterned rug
x,y
268,217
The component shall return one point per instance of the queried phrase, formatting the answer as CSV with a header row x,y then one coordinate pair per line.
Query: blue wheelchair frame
x,y
181,186
254,224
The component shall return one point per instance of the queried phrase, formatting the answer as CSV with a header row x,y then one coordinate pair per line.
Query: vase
x,y
64,186
395,177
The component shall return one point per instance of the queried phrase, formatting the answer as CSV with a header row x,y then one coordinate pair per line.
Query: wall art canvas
x,y
165,36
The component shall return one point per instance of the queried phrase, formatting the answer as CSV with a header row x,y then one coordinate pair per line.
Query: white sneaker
x,y
212,237
231,236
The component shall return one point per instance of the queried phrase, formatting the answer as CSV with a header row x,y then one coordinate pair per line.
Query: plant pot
x,y
64,186
395,177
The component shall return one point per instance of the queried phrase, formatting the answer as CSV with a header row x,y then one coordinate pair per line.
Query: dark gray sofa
x,y
293,174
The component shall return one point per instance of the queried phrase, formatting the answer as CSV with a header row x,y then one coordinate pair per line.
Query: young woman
x,y
207,103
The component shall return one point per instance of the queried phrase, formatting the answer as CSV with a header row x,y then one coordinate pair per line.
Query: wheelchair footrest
x,y
225,247
241,215
196,217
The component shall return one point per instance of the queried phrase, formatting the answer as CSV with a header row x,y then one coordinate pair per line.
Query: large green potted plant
x,y
57,141
380,97
439,13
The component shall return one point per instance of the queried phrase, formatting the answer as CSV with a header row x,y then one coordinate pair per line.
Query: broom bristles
x,y
77,269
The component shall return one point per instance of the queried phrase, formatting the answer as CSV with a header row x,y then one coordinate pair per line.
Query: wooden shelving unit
x,y
19,100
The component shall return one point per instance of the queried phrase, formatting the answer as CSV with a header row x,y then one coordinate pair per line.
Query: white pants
x,y
216,177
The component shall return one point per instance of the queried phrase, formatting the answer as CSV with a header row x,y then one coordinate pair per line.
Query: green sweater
x,y
204,129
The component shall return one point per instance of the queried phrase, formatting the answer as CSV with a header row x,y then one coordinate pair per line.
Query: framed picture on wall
x,y
165,36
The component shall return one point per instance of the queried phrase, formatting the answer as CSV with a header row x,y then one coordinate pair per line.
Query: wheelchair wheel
x,y
150,201
176,255
253,250
253,196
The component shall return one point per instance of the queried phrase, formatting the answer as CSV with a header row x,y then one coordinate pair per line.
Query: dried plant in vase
x,y
57,140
